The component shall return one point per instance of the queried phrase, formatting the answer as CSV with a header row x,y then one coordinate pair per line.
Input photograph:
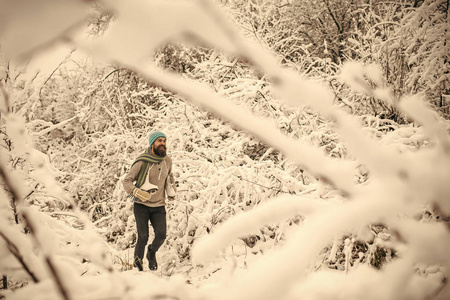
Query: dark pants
x,y
157,217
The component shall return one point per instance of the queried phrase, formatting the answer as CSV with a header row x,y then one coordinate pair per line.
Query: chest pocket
x,y
158,173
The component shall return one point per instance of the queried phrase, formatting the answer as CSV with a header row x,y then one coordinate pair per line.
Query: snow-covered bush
x,y
427,55
266,206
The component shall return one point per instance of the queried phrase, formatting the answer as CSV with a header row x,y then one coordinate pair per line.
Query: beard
x,y
160,151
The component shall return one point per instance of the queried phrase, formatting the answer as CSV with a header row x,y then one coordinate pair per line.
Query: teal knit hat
x,y
154,136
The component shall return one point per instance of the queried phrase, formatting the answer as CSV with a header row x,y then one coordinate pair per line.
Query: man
x,y
148,182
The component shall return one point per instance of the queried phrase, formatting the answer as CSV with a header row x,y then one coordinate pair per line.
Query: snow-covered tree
x,y
283,194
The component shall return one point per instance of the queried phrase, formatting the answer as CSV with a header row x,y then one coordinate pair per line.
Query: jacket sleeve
x,y
170,183
128,181
171,178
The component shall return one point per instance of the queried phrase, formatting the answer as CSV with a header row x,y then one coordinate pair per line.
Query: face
x,y
159,147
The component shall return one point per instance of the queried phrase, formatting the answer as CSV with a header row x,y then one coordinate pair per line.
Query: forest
x,y
310,142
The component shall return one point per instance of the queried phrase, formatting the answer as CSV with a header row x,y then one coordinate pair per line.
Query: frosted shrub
x,y
377,198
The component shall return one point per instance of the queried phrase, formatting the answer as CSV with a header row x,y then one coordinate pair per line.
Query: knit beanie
x,y
154,136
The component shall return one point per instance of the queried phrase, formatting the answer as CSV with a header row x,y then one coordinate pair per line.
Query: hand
x,y
142,195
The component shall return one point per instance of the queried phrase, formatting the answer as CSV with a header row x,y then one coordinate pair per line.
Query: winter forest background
x,y
310,141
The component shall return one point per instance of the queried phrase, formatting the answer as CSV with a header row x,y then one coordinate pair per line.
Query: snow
x,y
32,25
243,224
227,199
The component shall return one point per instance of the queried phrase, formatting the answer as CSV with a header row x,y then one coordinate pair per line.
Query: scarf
x,y
147,158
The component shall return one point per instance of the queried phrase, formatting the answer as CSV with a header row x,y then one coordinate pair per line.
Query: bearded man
x,y
148,182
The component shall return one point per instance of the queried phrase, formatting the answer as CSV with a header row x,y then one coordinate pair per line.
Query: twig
x,y
16,199
112,72
47,259
54,126
263,186
162,297
15,251
53,72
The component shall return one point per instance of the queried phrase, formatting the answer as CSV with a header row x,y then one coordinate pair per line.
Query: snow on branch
x,y
399,185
